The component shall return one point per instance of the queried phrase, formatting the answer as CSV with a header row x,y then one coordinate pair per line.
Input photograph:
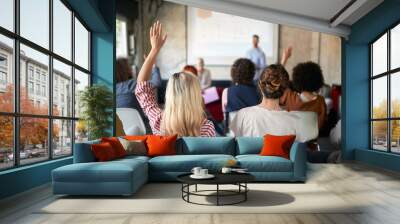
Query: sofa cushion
x,y
277,145
134,147
116,145
103,152
249,145
206,145
257,163
113,171
161,145
131,158
185,163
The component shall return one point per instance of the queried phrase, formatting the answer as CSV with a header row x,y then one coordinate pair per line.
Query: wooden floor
x,y
379,189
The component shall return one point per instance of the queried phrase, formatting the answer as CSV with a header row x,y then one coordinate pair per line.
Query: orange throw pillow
x,y
116,145
103,152
277,145
161,145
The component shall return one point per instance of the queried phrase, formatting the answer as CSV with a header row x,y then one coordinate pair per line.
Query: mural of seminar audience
x,y
183,113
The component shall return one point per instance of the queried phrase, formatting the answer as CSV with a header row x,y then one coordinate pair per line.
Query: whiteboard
x,y
222,38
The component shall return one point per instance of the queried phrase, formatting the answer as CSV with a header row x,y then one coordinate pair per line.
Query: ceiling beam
x,y
268,15
346,12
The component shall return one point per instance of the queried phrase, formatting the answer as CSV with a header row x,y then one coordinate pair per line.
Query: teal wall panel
x,y
355,78
24,178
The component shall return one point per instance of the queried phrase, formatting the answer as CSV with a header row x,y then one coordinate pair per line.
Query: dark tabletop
x,y
220,178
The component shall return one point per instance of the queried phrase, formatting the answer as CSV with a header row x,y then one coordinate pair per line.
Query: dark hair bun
x,y
273,81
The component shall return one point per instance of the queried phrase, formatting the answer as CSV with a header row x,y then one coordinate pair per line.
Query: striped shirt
x,y
145,94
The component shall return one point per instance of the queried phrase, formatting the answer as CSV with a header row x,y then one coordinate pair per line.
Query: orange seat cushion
x,y
161,145
103,152
277,145
116,145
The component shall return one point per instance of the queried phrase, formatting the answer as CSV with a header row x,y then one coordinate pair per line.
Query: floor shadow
x,y
256,198
148,191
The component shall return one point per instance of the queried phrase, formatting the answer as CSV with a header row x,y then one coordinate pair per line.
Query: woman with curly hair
x,y
243,93
269,117
307,80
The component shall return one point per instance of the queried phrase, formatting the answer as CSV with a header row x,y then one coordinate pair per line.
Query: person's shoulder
x,y
126,84
320,98
208,125
303,114
249,110
208,122
250,51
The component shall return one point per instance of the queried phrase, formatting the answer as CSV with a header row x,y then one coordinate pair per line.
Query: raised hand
x,y
287,53
157,39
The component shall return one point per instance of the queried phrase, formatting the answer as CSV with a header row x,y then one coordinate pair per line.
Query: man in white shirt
x,y
204,74
257,56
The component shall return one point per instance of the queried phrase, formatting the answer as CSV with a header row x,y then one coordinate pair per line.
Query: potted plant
x,y
96,103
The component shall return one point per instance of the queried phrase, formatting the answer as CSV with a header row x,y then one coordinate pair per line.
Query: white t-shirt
x,y
257,121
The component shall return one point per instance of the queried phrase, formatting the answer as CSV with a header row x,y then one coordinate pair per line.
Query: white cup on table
x,y
203,172
196,171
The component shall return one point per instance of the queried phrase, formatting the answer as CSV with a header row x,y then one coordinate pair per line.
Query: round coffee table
x,y
238,179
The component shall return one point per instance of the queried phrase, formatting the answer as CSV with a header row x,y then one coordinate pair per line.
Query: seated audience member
x,y
183,113
203,74
269,117
125,86
243,93
190,69
307,80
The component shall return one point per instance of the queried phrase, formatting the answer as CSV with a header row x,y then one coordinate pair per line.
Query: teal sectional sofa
x,y
125,176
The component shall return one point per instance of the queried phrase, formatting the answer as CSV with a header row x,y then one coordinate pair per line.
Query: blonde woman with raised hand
x,y
184,113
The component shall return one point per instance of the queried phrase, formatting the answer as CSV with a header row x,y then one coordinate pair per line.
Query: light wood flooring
x,y
377,188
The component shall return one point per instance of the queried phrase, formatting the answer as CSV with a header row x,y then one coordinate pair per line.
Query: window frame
x,y
16,115
388,74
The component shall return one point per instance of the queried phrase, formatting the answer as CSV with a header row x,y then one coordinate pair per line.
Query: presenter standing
x,y
257,56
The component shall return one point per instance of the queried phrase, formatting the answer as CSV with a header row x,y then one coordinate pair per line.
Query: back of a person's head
x,y
184,112
273,81
243,71
123,70
307,76
190,69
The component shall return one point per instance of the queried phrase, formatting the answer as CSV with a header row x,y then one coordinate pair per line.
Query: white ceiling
x,y
314,15
320,9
